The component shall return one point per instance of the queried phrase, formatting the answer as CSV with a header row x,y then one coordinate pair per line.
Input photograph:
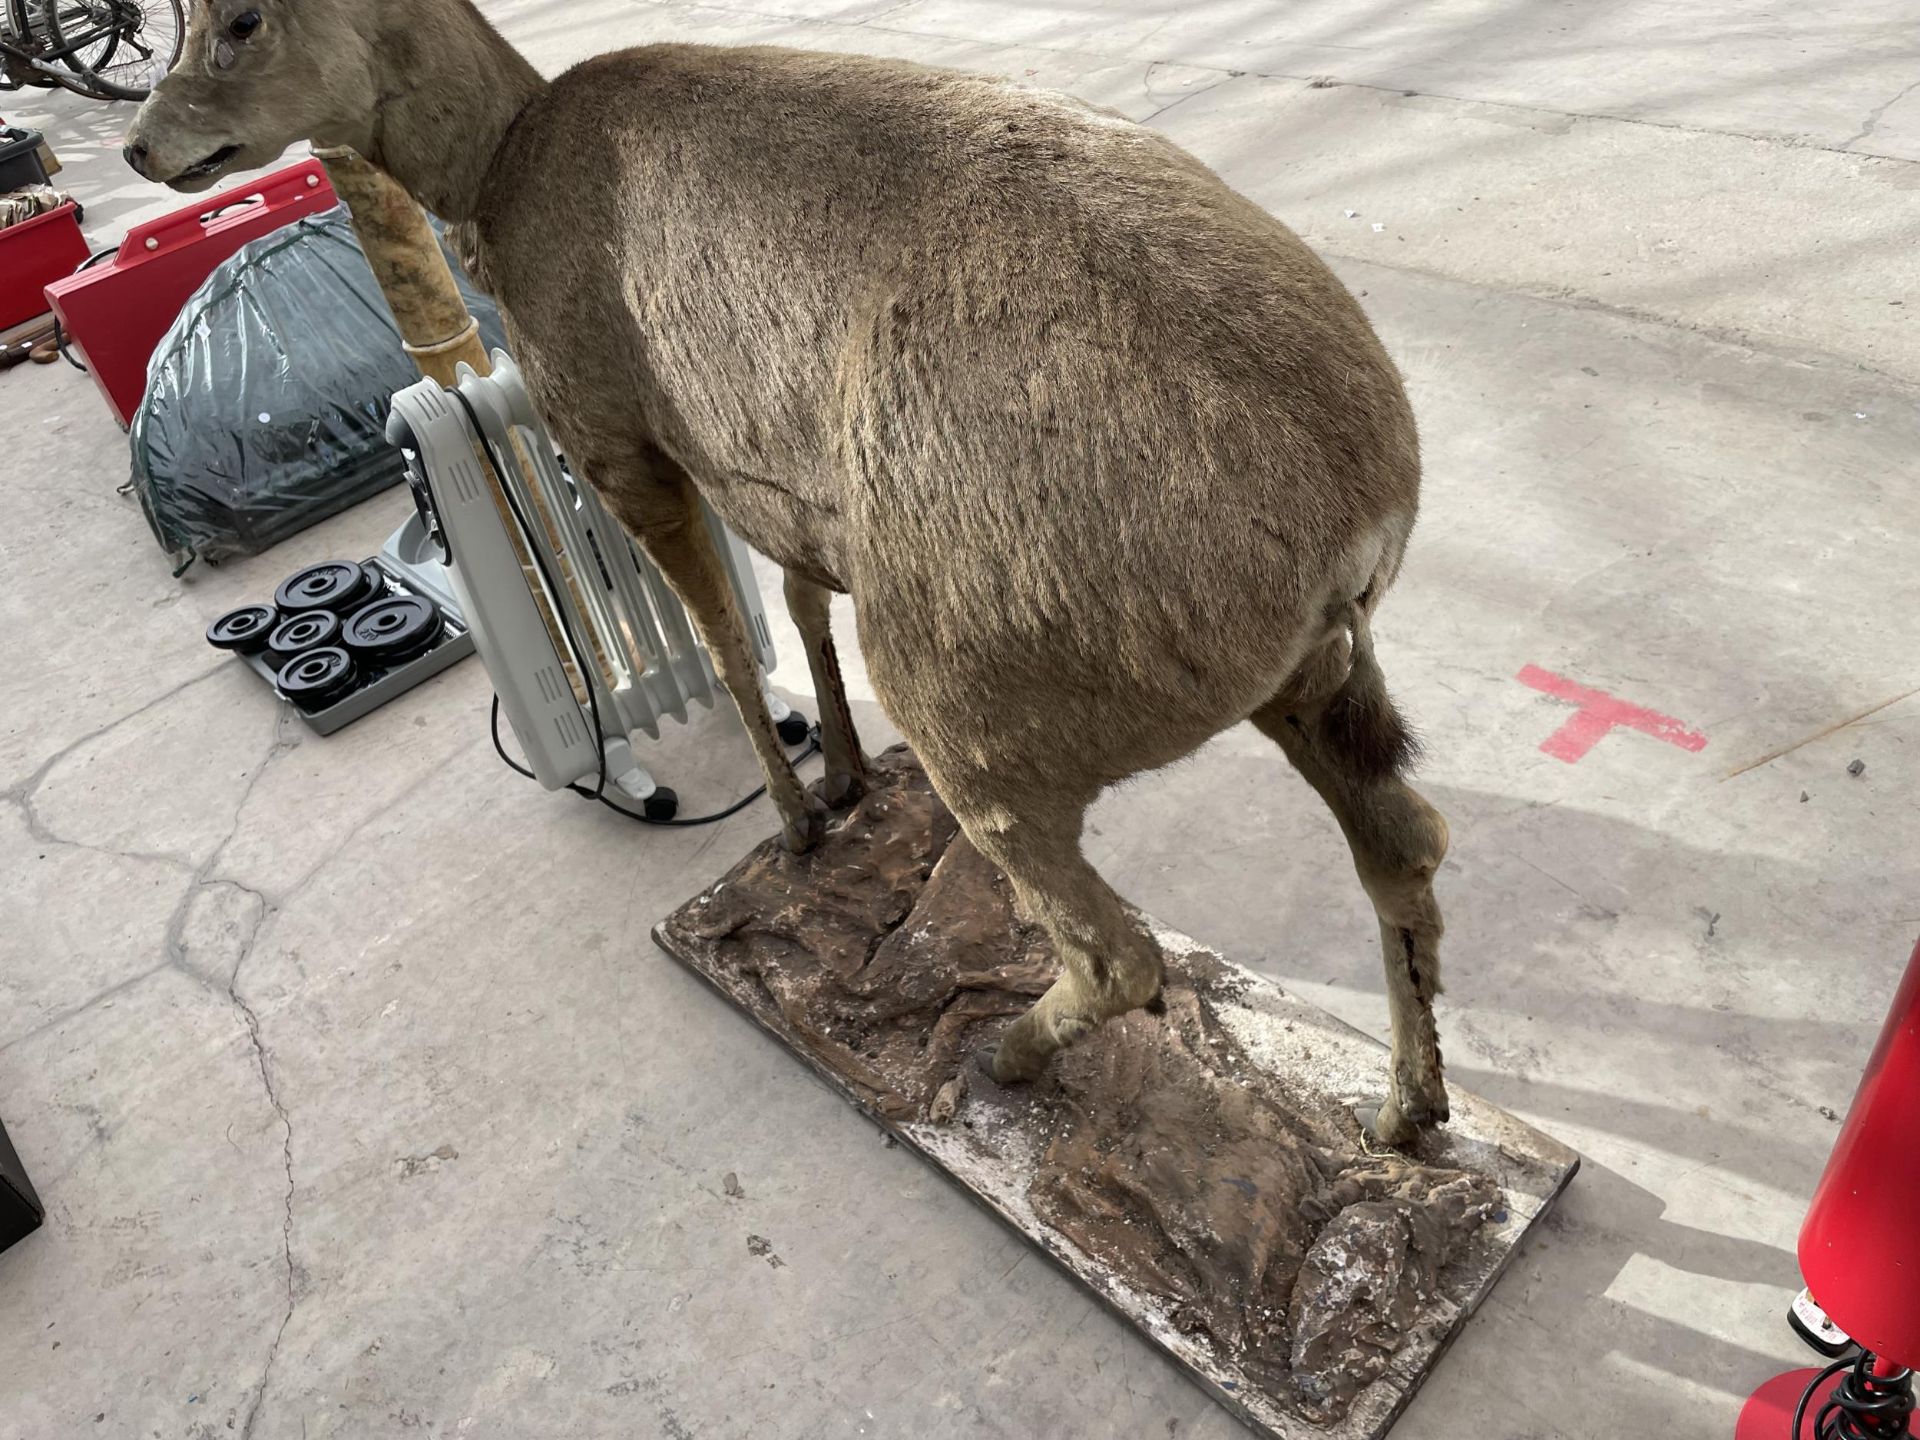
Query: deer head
x,y
254,77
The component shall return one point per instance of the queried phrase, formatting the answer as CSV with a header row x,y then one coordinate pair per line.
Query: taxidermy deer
x,y
1107,459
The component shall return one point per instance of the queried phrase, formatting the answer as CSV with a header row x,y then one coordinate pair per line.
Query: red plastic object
x,y
1768,1413
115,312
1860,1245
32,253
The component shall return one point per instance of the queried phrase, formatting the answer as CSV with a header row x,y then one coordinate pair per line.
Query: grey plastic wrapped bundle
x,y
267,398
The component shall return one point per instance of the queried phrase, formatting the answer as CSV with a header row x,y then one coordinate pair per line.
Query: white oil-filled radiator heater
x,y
585,644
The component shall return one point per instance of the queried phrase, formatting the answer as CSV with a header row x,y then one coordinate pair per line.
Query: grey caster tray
x,y
456,643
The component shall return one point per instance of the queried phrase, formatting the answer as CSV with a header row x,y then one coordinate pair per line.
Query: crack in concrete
x,y
1320,81
267,908
22,794
1566,296
201,879
26,787
53,1022
279,746
44,834
1146,85
205,879
379,812
882,14
1875,115
1717,333
286,1228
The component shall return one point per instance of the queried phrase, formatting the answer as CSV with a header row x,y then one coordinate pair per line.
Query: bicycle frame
x,y
32,52
43,59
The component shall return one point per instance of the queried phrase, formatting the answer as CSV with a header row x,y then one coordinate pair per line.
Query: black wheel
x,y
316,679
244,630
392,631
307,631
121,47
662,804
794,729
337,585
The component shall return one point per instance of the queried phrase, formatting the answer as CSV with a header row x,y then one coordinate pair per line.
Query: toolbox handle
x,y
231,207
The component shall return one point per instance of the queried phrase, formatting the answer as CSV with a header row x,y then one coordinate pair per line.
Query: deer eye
x,y
244,24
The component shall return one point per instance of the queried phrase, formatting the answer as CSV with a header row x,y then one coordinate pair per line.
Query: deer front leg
x,y
846,777
664,516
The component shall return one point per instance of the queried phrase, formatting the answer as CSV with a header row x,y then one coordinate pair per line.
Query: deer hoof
x,y
840,790
1006,1068
1420,1091
1399,1123
1383,1123
1010,1063
805,830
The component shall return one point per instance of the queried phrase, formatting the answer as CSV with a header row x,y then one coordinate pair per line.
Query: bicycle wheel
x,y
121,48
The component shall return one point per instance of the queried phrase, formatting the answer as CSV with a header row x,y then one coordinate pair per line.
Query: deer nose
x,y
135,154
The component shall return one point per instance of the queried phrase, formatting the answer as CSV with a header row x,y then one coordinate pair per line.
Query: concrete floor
x,y
362,1104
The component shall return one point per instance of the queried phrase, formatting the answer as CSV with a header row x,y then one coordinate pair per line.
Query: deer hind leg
x,y
1109,966
846,777
1006,762
662,510
1338,726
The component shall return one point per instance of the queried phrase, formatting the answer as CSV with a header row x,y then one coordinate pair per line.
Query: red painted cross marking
x,y
1599,712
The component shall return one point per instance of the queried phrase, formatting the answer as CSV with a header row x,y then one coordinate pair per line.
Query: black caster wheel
x,y
794,729
662,804
245,630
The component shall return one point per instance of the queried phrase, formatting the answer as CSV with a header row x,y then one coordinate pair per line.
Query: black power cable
x,y
1863,1406
813,748
599,791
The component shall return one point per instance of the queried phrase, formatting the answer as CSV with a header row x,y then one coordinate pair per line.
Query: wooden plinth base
x,y
1200,1171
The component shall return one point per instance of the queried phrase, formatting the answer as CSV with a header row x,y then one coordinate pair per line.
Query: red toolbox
x,y
115,312
33,252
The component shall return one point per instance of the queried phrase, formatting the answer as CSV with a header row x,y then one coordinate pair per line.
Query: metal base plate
x,y
454,644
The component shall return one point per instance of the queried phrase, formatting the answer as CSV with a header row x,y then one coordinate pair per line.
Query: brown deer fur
x,y
1107,459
